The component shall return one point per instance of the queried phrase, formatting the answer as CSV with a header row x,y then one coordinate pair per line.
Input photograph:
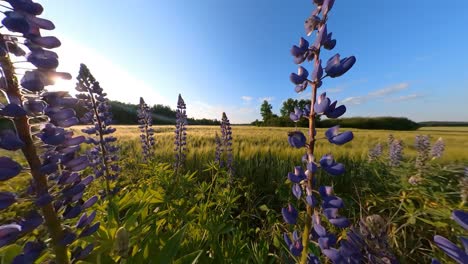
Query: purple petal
x,y
461,217
451,249
6,199
8,168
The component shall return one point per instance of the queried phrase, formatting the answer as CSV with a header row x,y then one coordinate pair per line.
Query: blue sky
x,y
230,55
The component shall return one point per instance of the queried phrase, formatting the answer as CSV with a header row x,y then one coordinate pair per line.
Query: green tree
x,y
288,107
265,111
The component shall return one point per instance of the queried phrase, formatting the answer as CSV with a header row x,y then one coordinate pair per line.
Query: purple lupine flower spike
x,y
438,148
226,143
320,105
145,123
40,120
102,155
180,140
396,152
375,152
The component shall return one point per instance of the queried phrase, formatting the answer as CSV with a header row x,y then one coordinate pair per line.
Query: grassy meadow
x,y
201,215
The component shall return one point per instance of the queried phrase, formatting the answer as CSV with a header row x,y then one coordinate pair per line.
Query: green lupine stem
x,y
23,129
310,175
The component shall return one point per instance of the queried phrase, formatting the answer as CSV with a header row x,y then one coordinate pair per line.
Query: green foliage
x,y
199,216
388,123
266,111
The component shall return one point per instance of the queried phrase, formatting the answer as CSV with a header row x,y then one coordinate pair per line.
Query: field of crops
x,y
211,217
75,189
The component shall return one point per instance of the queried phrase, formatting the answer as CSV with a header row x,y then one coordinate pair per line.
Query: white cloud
x,y
357,100
389,90
246,99
405,98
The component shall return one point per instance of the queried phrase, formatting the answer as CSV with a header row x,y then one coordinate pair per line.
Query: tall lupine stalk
x,y
40,119
304,181
145,124
103,154
180,140
224,146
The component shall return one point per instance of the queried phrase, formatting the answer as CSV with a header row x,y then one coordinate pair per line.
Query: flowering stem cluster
x,y
145,124
180,140
224,155
40,119
102,154
320,105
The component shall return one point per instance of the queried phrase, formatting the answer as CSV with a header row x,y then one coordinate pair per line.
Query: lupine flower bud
x,y
296,139
122,240
290,214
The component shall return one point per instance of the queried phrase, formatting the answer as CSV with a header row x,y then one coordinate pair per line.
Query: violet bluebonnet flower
x,y
396,152
180,140
328,163
296,115
423,147
295,245
452,250
224,156
31,252
320,105
145,124
338,138
40,119
438,148
290,214
375,152
296,139
103,153
298,175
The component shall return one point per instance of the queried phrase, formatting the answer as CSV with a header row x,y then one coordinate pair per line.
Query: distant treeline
x,y
442,123
283,120
387,123
126,114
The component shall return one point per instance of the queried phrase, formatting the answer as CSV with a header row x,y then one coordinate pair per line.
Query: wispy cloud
x,y
357,100
405,98
246,98
269,99
389,90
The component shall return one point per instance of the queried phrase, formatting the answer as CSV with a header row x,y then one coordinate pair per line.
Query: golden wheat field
x,y
250,140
